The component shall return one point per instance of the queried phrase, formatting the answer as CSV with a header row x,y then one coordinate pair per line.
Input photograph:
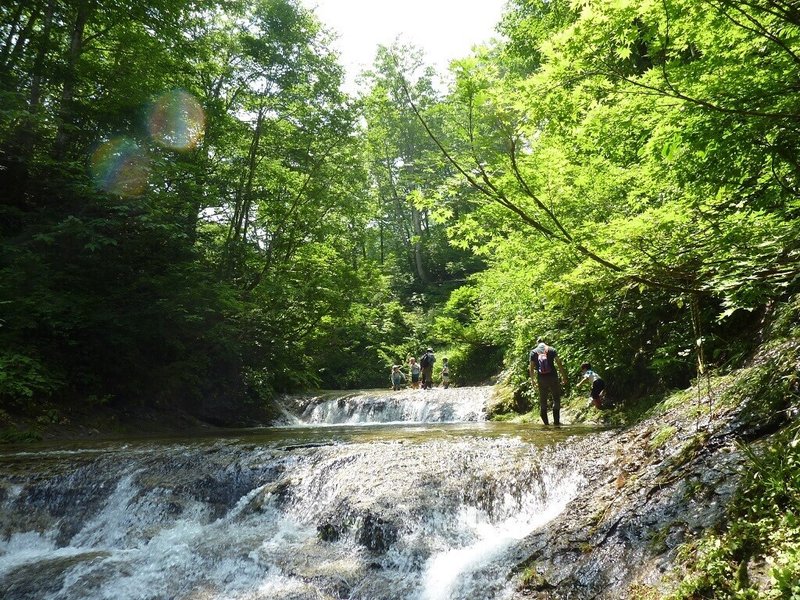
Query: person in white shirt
x,y
597,393
445,374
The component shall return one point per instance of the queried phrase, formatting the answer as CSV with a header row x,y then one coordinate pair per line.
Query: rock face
x,y
649,489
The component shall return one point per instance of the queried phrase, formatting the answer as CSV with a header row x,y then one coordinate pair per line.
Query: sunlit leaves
x,y
658,133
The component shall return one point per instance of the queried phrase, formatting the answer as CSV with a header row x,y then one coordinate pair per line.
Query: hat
x,y
430,349
541,347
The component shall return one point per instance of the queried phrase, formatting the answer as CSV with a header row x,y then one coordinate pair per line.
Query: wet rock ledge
x,y
650,489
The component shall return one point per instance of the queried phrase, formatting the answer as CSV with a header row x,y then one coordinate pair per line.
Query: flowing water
x,y
369,496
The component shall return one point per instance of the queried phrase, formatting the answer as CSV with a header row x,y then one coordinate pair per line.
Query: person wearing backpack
x,y
544,361
426,363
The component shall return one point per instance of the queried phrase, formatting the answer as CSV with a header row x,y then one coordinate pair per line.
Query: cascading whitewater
x,y
234,520
454,405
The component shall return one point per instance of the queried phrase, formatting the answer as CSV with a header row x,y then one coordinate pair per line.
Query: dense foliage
x,y
183,203
193,214
628,181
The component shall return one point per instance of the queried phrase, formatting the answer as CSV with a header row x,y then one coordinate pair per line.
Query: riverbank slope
x,y
699,498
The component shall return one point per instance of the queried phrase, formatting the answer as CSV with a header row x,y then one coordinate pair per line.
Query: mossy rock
x,y
12,435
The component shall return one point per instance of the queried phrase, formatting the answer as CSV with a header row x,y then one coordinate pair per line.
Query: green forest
x,y
197,217
194,215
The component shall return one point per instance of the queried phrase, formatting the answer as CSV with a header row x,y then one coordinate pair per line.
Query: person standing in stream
x,y
398,378
426,362
544,361
445,374
414,370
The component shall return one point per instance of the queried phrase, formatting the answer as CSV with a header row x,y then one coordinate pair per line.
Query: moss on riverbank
x,y
96,423
756,553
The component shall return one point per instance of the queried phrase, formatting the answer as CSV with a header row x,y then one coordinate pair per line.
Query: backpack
x,y
545,366
425,360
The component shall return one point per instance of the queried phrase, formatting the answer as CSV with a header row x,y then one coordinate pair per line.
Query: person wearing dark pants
x,y
426,361
598,392
544,361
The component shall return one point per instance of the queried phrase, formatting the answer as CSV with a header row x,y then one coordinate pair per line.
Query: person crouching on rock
x,y
598,391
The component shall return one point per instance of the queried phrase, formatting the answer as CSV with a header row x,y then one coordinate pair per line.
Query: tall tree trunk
x,y
12,53
247,196
197,194
383,257
68,91
237,230
8,43
23,141
35,97
414,247
416,218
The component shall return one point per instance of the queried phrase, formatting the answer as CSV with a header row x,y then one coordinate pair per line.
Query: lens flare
x,y
120,167
176,120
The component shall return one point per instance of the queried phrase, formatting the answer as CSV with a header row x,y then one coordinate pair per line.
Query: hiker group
x,y
421,372
545,369
547,372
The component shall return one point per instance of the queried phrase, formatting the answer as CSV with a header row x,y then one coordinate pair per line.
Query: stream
x,y
360,495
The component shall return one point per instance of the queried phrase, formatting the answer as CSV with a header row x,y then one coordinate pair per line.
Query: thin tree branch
x,y
496,195
758,28
674,93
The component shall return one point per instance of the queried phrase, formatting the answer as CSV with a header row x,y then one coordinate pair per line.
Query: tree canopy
x,y
193,214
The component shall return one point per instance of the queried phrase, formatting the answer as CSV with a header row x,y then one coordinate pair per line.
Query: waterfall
x,y
252,517
452,405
